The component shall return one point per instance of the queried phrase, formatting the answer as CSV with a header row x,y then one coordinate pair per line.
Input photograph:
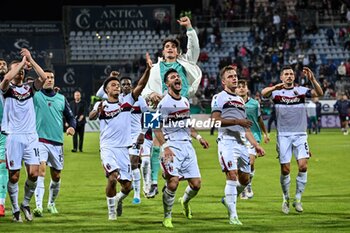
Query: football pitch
x,y
82,202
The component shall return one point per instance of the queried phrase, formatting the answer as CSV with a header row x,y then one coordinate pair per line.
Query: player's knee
x,y
126,187
285,170
113,178
33,175
134,166
196,185
303,168
172,186
244,179
14,177
56,177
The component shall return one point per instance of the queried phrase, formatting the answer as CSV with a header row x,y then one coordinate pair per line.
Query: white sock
x,y
189,194
29,188
39,192
13,193
301,182
231,197
120,196
111,205
53,191
168,202
146,173
285,183
136,182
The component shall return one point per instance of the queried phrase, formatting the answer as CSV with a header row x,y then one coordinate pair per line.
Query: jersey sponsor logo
x,y
19,96
300,99
126,107
234,104
179,115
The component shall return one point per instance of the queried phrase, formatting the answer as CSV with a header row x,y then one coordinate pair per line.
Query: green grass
x,y
82,201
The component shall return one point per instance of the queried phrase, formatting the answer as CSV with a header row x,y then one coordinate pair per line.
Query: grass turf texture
x,y
82,201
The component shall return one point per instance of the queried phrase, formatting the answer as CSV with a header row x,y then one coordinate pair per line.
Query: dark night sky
x,y
51,10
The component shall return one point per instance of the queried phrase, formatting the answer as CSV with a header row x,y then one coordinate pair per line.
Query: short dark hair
x,y
48,71
286,68
172,40
243,82
105,83
167,73
125,77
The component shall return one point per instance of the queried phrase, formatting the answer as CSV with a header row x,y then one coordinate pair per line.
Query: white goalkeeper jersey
x,y
115,122
291,111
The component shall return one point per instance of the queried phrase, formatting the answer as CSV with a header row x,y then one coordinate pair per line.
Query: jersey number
x,y
36,151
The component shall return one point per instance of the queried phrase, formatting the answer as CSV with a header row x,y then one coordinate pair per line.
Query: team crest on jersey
x,y
49,104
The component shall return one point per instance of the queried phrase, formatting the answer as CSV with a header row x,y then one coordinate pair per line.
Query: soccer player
x,y
137,137
146,161
179,158
115,138
19,123
184,64
252,108
3,170
229,109
190,74
50,108
291,129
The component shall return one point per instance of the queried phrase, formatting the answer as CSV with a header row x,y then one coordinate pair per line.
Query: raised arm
x,y
95,111
193,49
38,83
5,83
144,79
267,91
317,91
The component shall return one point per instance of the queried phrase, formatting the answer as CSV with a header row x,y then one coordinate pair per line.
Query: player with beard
x,y
179,160
291,116
186,66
